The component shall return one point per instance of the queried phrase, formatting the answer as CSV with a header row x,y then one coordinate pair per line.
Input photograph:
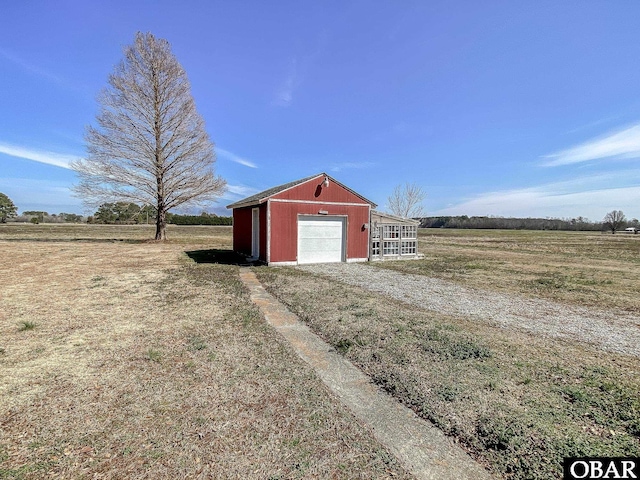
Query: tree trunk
x,y
161,225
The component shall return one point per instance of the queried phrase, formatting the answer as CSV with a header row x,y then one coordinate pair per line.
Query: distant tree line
x,y
510,223
40,216
123,213
202,219
128,213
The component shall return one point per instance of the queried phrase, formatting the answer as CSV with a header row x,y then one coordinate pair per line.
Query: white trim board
x,y
268,231
316,202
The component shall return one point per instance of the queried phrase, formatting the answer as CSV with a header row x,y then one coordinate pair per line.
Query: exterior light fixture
x,y
326,181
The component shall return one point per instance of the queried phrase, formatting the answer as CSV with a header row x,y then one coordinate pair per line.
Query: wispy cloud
x,y
235,158
284,95
589,196
234,193
52,196
32,68
51,158
242,190
617,145
338,167
595,123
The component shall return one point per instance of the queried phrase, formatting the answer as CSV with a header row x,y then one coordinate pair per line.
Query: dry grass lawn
x,y
125,359
586,268
517,402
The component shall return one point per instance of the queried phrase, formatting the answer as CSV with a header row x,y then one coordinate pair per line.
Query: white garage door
x,y
320,239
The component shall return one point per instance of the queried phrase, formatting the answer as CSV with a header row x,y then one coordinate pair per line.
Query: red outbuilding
x,y
313,220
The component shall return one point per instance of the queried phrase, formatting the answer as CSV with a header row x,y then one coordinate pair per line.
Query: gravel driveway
x,y
612,331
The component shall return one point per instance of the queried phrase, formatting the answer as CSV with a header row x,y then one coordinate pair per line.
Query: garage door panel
x,y
320,240
321,244
319,257
322,232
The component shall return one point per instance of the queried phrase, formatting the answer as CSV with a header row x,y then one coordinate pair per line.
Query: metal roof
x,y
266,194
394,218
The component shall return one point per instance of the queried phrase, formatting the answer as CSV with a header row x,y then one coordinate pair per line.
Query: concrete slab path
x,y
420,447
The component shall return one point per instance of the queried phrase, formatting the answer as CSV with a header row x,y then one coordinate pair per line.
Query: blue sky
x,y
514,108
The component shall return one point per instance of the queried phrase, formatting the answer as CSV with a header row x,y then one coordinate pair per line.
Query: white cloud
x,y
621,144
235,158
284,95
338,167
31,68
589,196
51,158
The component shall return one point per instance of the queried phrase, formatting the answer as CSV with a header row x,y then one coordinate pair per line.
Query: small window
x,y
408,248
409,231
390,248
391,231
375,248
375,232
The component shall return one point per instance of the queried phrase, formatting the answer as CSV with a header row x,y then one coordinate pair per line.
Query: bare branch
x,y
406,201
150,144
614,220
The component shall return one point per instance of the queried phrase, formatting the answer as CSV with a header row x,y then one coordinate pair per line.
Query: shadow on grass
x,y
222,257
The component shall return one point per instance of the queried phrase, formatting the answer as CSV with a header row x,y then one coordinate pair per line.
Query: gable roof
x,y
263,196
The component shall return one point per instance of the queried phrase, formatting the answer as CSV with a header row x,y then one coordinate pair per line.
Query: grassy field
x,y
588,268
121,358
518,403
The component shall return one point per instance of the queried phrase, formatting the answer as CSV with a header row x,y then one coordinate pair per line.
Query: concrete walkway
x,y
420,447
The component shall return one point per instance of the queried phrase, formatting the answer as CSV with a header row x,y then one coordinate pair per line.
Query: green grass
x,y
26,325
154,355
196,343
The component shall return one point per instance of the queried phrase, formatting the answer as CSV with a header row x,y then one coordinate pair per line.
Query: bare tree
x,y
150,146
406,201
614,220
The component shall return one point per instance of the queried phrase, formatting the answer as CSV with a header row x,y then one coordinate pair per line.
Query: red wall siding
x,y
314,191
242,218
284,227
242,230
